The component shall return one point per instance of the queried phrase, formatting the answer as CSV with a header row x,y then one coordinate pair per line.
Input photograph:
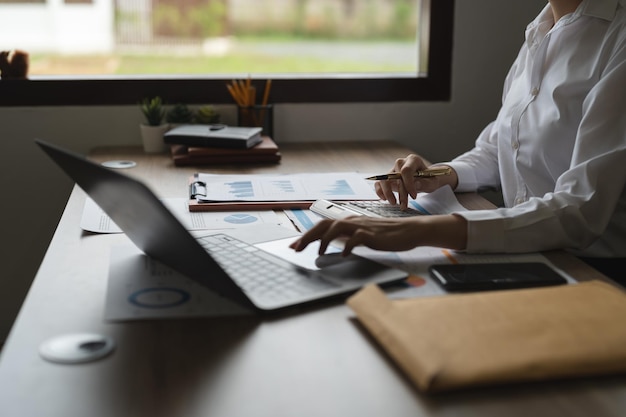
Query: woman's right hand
x,y
410,185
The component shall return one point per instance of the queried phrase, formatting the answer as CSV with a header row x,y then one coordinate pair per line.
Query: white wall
x,y
488,34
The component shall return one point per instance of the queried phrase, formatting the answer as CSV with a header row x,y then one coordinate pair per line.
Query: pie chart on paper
x,y
240,218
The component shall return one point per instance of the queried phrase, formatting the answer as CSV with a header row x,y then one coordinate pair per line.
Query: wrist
x,y
444,231
451,179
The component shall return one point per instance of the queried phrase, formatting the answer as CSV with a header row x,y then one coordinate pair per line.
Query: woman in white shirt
x,y
557,149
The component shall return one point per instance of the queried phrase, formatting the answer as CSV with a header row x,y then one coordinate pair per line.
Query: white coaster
x,y
119,164
76,348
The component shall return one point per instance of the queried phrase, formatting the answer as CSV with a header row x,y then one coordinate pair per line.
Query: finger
x,y
379,190
417,186
386,191
315,233
360,237
415,162
337,229
400,162
408,180
402,196
382,190
390,196
412,164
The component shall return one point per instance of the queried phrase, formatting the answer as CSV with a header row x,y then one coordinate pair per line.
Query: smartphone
x,y
495,276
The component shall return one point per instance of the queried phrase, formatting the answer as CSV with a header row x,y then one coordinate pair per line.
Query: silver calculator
x,y
372,208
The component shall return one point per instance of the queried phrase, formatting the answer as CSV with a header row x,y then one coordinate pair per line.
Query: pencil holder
x,y
258,116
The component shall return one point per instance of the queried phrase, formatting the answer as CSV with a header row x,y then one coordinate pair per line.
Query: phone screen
x,y
474,277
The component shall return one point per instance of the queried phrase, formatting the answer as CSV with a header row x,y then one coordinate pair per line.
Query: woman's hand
x,y
410,185
396,234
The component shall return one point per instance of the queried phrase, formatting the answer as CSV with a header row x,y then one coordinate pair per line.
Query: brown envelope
x,y
486,338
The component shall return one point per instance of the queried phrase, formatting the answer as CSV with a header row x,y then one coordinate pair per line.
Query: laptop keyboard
x,y
261,274
384,209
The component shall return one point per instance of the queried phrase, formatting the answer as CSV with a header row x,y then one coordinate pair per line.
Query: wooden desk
x,y
309,362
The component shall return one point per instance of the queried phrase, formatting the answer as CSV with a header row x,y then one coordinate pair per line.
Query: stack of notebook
x,y
265,152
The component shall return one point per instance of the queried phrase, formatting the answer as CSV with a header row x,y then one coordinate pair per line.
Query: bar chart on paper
x,y
241,189
332,186
338,187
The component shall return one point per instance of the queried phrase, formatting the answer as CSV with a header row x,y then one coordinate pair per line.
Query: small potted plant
x,y
153,130
179,114
207,115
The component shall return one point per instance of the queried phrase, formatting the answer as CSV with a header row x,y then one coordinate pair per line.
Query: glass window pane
x,y
21,1
105,55
191,37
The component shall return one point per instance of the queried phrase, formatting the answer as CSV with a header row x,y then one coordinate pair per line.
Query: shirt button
x,y
519,201
515,145
534,92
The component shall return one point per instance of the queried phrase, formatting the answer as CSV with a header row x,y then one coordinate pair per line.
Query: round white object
x,y
119,164
76,348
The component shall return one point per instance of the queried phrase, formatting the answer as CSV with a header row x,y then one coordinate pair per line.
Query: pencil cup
x,y
258,116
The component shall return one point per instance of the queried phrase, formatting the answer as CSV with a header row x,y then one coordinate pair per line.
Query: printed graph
x,y
310,186
339,187
284,186
240,218
240,189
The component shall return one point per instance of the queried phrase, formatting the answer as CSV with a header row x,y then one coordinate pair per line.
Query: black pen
x,y
429,172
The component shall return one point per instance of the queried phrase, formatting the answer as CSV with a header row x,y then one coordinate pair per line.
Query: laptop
x,y
244,265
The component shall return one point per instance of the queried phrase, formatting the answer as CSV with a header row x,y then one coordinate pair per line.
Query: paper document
x,y
141,288
287,187
441,201
95,220
302,219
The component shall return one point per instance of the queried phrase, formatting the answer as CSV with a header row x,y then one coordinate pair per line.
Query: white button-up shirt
x,y
557,148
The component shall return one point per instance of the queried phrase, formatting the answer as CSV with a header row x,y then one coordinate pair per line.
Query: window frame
x,y
127,90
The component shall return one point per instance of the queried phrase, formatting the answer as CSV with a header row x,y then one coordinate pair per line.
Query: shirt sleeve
x,y
588,200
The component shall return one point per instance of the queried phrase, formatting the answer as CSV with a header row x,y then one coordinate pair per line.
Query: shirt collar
x,y
539,27
602,9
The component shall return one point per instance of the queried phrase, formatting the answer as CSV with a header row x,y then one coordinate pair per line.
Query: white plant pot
x,y
152,138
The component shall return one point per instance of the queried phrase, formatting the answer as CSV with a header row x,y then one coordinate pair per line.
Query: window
x,y
423,76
